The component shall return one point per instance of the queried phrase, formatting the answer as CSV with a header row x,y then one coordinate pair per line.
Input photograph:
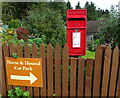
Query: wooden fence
x,y
65,76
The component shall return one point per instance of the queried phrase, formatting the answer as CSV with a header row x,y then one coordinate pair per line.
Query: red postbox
x,y
76,31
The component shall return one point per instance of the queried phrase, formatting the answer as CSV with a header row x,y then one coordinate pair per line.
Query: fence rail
x,y
65,76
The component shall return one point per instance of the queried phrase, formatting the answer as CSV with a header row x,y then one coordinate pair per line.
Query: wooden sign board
x,y
24,71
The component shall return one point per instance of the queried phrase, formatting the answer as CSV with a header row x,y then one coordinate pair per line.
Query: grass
x,y
89,54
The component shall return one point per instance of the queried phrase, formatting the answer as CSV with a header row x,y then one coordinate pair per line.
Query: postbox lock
x,y
76,30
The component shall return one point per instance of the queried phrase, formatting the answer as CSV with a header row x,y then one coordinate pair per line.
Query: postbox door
x,y
76,41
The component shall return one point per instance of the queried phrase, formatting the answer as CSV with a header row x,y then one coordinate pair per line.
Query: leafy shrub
x,y
17,92
49,25
10,35
14,23
37,41
6,37
109,29
91,45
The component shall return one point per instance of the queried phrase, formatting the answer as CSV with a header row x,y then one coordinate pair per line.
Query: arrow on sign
x,y
32,78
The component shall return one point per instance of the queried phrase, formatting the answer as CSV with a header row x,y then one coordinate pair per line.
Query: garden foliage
x,y
44,21
17,92
109,29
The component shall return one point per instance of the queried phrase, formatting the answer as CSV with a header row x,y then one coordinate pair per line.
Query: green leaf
x,y
14,55
27,93
0,96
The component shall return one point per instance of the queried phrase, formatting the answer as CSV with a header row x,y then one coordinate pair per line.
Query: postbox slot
x,y
76,23
75,19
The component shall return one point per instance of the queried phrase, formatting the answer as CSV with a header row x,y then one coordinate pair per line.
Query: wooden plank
x,y
42,55
50,69
20,55
73,77
20,50
119,83
35,55
106,69
117,92
97,71
3,88
6,54
65,63
114,68
88,81
12,48
81,64
57,70
27,55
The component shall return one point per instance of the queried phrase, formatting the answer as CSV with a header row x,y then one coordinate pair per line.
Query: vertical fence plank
x,y
42,55
20,50
97,71
27,55
88,81
3,84
73,77
57,70
6,54
81,64
50,69
119,84
106,69
114,68
20,55
65,63
35,55
12,48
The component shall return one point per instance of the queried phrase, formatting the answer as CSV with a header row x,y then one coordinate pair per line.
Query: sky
x,y
103,4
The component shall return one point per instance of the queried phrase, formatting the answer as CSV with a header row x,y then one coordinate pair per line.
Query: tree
x,y
78,6
106,12
91,10
15,10
109,29
61,7
69,5
93,13
45,21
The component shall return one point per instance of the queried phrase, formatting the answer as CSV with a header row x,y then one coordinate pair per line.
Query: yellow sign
x,y
24,71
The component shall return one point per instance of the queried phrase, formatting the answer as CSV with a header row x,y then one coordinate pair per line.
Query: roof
x,y
92,26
